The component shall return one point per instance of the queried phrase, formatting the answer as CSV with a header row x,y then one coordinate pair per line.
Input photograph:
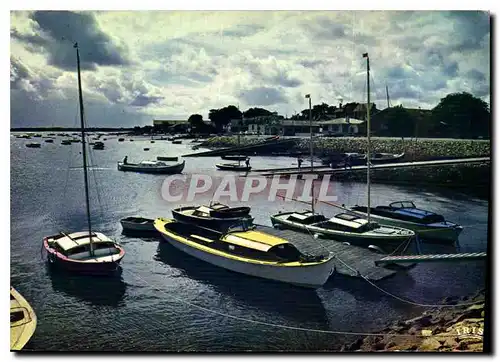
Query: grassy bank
x,y
423,149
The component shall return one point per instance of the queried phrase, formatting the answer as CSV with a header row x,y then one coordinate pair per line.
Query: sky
x,y
143,65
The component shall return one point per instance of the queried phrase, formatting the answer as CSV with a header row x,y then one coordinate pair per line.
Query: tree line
x,y
458,115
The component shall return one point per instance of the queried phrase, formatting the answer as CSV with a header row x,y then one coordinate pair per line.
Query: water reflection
x,y
96,290
301,305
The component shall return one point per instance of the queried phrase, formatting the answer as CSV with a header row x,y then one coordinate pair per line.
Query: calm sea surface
x,y
163,299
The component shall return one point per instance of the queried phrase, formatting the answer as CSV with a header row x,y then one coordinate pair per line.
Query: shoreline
x,y
440,329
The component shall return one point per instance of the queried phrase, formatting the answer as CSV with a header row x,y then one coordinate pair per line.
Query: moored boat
x,y
84,251
247,251
177,142
427,224
213,216
232,167
167,158
49,140
22,321
234,157
137,224
33,145
344,227
78,252
158,167
98,145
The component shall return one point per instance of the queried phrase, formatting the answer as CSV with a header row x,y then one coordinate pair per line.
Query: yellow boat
x,y
245,250
22,321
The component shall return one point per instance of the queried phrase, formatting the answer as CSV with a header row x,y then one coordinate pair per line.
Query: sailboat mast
x,y
84,150
387,93
368,158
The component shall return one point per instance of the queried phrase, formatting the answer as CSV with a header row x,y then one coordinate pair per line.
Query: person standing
x,y
299,161
125,160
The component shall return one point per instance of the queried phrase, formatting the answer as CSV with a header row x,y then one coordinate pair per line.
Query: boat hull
x,y
313,276
231,167
386,242
167,170
23,329
58,260
446,233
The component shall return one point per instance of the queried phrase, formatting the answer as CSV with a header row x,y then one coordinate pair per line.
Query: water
x,y
156,303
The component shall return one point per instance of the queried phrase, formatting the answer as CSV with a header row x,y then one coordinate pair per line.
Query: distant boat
x,y
33,145
66,142
22,321
121,139
85,251
49,141
234,157
167,158
232,167
177,142
158,167
146,149
98,145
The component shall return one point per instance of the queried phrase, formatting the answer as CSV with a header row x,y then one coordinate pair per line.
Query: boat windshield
x,y
241,225
403,205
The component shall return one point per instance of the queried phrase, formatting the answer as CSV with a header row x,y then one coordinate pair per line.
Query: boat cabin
x,y
77,245
349,223
306,218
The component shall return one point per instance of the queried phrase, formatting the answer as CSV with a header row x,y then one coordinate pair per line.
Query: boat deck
x,y
360,259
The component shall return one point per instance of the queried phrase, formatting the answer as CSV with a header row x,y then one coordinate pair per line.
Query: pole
x,y
310,133
84,150
368,133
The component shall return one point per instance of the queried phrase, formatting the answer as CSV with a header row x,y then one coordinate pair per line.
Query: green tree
x,y
221,117
196,122
461,115
256,112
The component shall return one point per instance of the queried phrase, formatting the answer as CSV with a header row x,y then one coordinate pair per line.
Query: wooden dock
x,y
430,258
325,170
360,259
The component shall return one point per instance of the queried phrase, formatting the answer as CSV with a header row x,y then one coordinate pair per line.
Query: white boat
x,y
427,224
250,252
22,321
159,167
344,227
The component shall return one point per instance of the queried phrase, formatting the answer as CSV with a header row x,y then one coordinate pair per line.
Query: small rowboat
x,y
232,167
137,224
33,145
177,142
234,157
158,167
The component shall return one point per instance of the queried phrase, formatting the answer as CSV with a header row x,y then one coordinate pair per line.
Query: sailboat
x,y
346,226
239,158
428,225
83,251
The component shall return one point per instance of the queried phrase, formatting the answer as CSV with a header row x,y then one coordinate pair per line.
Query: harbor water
x,y
164,300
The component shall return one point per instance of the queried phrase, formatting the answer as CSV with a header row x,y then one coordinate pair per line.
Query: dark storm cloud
x,y
263,96
58,30
476,75
470,28
143,100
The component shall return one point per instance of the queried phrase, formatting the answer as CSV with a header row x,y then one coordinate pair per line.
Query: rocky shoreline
x,y
445,329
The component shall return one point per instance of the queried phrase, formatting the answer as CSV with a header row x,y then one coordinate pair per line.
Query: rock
x,y
482,314
475,347
355,345
429,344
464,344
450,342
390,345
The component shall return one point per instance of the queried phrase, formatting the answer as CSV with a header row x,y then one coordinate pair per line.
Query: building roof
x,y
341,121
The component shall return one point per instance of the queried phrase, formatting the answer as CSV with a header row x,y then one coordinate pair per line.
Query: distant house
x,y
342,126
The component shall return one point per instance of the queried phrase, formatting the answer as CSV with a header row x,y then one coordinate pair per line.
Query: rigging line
x,y
275,325
402,299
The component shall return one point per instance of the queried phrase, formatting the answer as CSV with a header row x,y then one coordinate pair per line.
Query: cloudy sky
x,y
138,66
